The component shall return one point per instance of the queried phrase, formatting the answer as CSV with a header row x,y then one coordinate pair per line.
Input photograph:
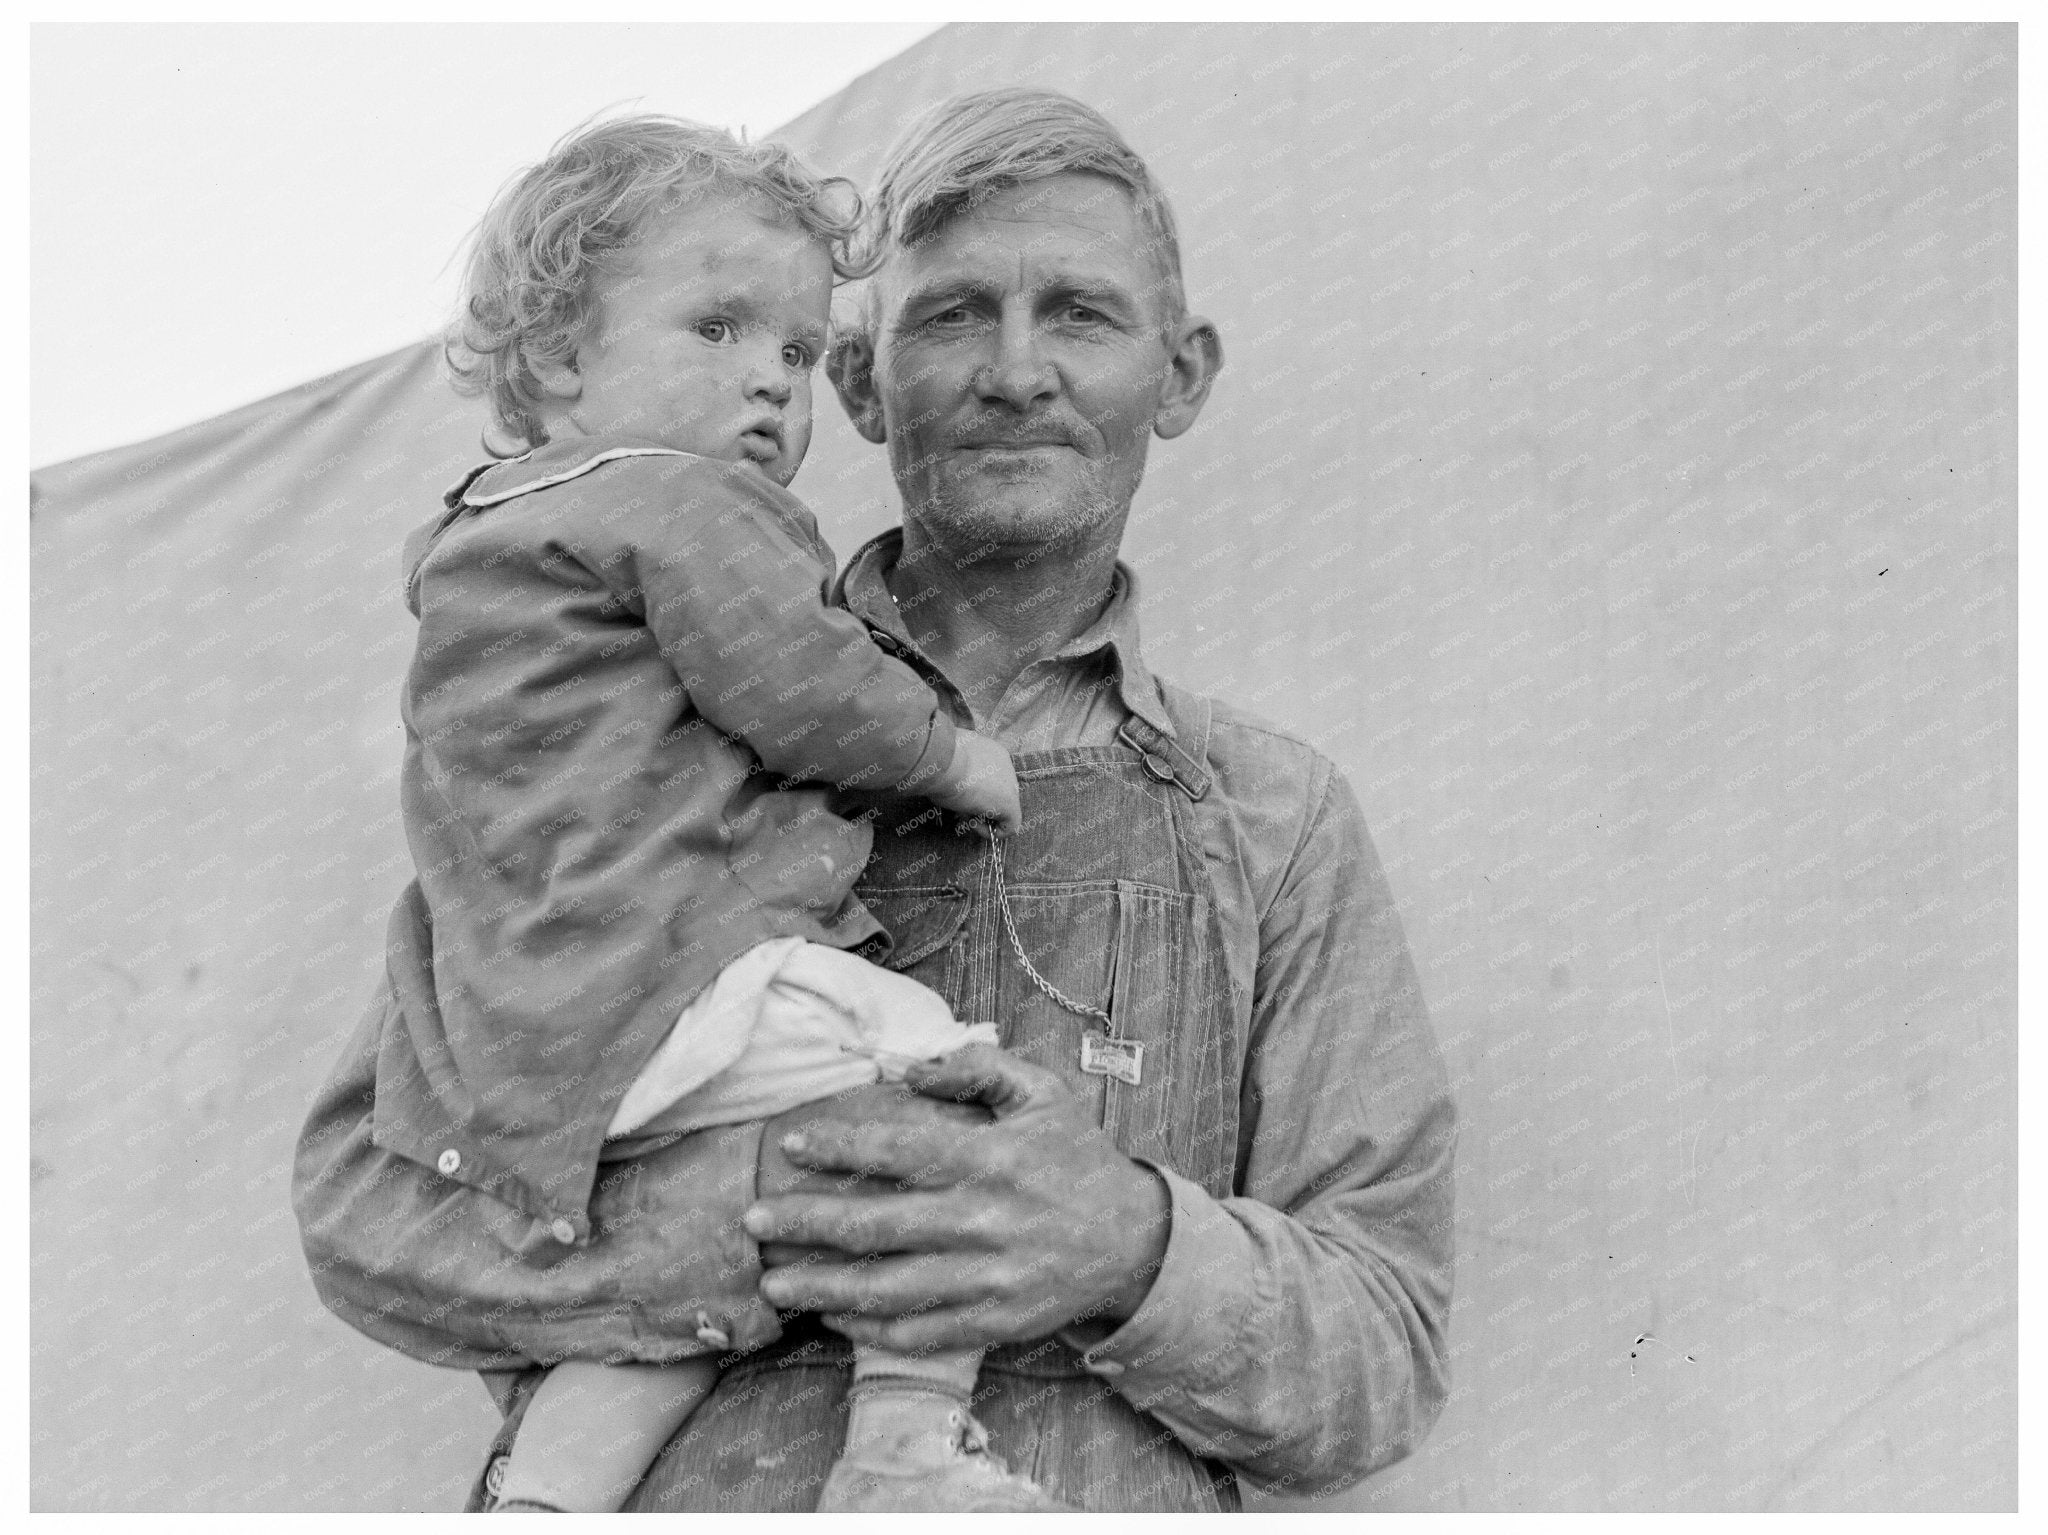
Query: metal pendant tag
x,y
1123,1059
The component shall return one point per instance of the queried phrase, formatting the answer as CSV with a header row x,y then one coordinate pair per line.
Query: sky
x,y
220,212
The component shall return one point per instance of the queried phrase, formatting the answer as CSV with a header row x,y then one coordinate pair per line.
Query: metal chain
x,y
995,846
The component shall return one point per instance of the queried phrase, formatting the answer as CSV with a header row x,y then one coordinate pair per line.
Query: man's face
x,y
1020,358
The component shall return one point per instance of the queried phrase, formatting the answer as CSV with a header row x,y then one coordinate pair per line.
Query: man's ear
x,y
850,364
1194,358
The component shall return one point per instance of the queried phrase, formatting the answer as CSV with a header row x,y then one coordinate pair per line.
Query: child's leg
x,y
912,1446
592,1430
949,1371
907,1399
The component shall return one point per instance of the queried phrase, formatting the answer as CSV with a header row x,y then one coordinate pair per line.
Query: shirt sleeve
x,y
729,574
1298,1331
453,1276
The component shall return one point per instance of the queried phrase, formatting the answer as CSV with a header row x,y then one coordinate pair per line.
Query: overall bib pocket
x,y
922,921
1068,931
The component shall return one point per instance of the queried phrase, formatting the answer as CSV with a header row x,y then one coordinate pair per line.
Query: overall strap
x,y
1182,761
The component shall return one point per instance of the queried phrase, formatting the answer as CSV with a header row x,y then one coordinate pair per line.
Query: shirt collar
x,y
549,464
864,588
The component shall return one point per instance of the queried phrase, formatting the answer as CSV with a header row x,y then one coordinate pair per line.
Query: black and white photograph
x,y
1340,698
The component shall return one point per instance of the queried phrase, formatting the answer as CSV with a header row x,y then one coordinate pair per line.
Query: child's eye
x,y
718,332
796,355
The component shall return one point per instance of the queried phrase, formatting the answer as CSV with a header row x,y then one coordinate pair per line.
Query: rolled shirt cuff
x,y
689,1277
1186,1335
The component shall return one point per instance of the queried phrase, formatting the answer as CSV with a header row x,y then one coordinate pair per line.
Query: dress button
x,y
1157,767
563,1232
449,1162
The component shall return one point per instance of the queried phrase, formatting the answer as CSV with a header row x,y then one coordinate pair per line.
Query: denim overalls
x,y
1111,901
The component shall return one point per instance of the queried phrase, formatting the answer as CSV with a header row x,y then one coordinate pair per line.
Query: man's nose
x,y
1019,373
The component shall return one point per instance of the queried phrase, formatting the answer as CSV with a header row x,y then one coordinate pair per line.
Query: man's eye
x,y
1081,314
958,315
718,332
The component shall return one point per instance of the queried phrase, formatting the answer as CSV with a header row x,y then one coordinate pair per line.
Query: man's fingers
x,y
878,1103
1002,1082
883,1287
914,1154
775,1255
879,1223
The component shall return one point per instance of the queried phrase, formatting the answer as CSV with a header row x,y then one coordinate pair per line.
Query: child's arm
x,y
735,595
981,781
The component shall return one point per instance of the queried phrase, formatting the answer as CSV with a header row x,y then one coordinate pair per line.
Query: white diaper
x,y
787,1022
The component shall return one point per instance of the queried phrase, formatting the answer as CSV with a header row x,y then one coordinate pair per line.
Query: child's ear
x,y
558,377
850,364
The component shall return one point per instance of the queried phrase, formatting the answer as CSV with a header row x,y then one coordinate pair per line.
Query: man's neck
x,y
984,620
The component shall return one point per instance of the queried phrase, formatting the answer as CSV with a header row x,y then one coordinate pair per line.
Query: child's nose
x,y
767,379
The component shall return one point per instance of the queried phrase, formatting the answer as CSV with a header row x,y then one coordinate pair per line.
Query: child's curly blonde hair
x,y
530,289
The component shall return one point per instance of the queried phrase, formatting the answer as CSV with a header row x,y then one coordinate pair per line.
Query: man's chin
x,y
1001,513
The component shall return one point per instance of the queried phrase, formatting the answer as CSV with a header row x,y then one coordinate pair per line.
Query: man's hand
x,y
956,1229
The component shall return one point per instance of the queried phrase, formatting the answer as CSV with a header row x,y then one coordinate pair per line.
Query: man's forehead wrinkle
x,y
1064,222
975,270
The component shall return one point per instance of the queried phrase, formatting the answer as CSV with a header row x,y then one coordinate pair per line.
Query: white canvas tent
x,y
1614,471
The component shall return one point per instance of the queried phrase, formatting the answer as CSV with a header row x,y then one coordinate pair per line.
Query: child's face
x,y
707,341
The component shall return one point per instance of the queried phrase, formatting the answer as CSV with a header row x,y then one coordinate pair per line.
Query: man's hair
x,y
969,147
530,291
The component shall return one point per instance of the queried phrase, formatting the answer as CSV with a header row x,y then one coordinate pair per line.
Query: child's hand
x,y
980,782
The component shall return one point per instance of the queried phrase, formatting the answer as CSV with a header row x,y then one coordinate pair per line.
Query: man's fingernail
x,y
777,1290
756,1222
794,1142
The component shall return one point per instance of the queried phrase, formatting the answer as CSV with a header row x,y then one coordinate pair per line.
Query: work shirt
x,y
1079,695
1296,1329
627,686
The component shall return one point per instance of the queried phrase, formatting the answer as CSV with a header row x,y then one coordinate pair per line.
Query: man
x,y
1198,1205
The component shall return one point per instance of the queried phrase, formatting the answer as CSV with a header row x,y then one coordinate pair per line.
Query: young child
x,y
627,711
